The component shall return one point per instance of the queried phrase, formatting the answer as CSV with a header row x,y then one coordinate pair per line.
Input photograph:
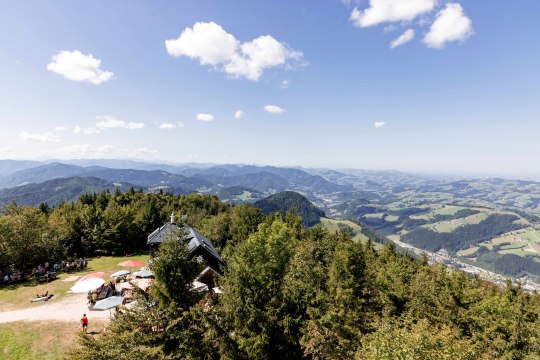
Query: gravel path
x,y
69,309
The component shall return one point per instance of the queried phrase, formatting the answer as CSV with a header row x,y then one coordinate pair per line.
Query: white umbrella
x,y
143,274
120,273
108,303
87,285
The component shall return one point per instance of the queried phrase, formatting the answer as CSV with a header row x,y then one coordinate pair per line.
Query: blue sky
x,y
97,80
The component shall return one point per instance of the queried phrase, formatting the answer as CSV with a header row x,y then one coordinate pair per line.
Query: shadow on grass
x,y
17,285
32,282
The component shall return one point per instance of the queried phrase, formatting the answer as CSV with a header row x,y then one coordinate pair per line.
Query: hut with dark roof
x,y
199,246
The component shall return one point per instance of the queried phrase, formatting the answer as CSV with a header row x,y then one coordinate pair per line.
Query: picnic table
x,y
47,277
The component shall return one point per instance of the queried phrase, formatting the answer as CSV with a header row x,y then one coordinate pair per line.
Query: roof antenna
x,y
172,217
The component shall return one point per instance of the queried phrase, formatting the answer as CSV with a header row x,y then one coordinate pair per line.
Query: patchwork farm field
x,y
336,225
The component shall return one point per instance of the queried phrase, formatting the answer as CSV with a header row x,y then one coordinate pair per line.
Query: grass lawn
x,y
391,218
448,210
44,340
517,245
332,225
374,215
468,251
531,235
17,296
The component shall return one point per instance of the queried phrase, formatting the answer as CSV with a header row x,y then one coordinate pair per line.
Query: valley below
x,y
489,227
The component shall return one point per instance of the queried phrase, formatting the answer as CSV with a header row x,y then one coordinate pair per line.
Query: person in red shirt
x,y
84,322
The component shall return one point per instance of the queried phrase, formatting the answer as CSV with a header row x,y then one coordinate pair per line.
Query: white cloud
x,y
76,66
205,117
390,28
239,114
60,128
144,151
167,126
407,36
6,151
450,25
45,137
274,109
87,151
111,122
86,131
379,124
210,44
285,84
380,11
257,55
206,42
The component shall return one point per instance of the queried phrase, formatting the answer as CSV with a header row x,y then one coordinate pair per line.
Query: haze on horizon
x,y
436,86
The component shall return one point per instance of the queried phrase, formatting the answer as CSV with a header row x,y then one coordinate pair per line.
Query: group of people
x,y
10,277
68,266
78,264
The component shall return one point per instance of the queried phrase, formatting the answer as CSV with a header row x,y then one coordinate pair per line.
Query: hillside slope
x,y
291,201
54,192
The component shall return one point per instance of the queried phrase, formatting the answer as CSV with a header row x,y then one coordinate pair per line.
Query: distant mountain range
x,y
232,183
490,222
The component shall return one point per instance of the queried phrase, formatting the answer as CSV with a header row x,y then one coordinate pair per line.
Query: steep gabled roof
x,y
198,244
161,233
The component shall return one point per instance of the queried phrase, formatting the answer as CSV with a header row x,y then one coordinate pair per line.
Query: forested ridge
x,y
291,201
289,292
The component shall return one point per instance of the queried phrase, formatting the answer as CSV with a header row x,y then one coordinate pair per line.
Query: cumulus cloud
x,y
111,122
285,84
274,109
407,36
76,66
86,131
239,114
43,137
167,126
379,124
381,11
210,44
205,117
450,25
60,128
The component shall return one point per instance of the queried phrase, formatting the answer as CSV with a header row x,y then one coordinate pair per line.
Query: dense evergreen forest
x,y
289,292
291,201
105,224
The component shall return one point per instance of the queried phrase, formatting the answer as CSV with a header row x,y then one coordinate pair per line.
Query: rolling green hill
x,y
54,192
291,201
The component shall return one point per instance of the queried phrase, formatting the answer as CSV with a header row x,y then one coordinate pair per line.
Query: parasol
x,y
120,273
87,285
144,274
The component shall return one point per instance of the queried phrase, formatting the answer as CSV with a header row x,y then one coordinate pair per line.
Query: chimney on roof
x,y
172,217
